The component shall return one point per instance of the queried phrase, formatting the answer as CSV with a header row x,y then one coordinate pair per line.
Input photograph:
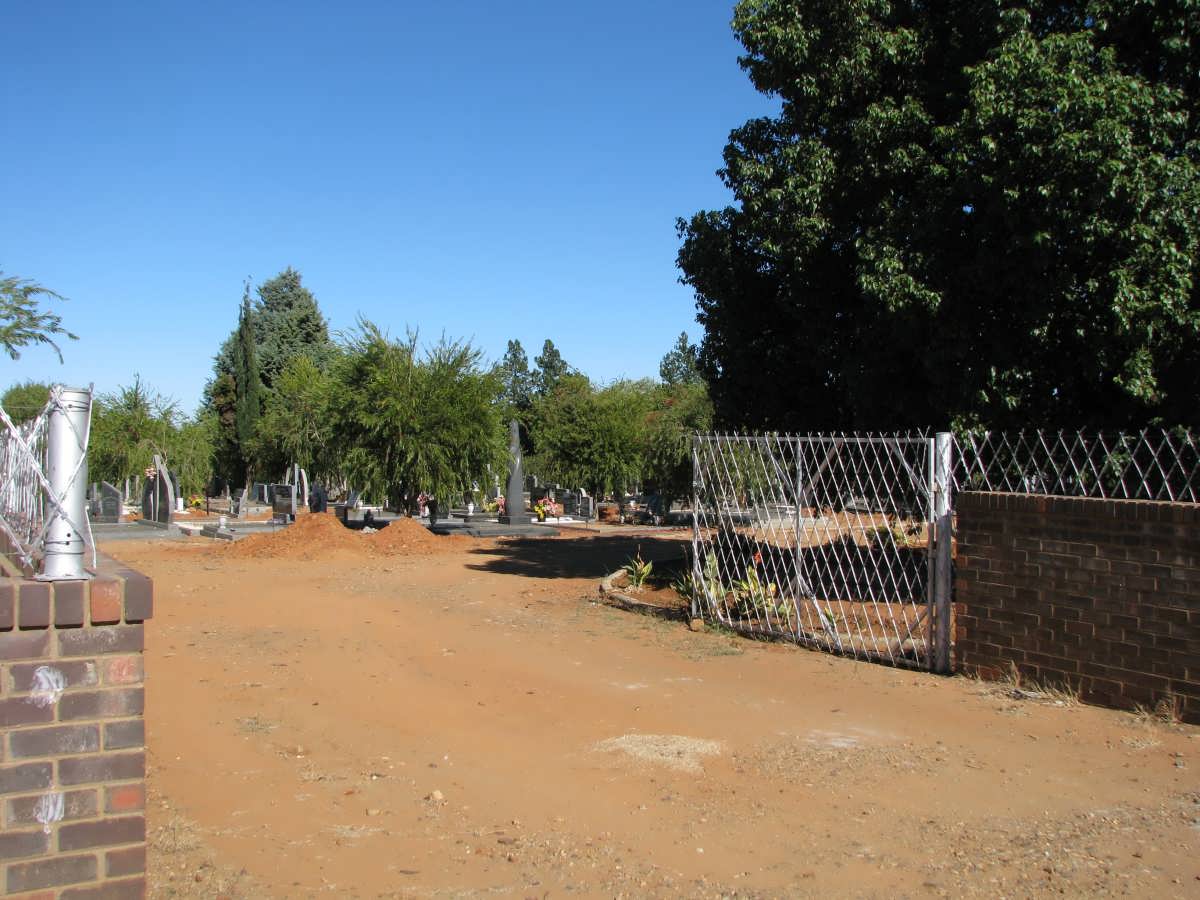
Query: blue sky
x,y
490,171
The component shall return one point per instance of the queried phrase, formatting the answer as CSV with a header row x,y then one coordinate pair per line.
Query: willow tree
x,y
408,421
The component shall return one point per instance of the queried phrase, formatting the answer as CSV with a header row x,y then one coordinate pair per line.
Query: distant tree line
x,y
393,418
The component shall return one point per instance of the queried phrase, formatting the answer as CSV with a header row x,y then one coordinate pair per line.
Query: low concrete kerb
x,y
611,594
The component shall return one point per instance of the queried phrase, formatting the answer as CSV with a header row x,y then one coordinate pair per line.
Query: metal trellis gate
x,y
840,542
43,484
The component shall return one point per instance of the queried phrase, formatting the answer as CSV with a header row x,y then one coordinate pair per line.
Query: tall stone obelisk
x,y
514,493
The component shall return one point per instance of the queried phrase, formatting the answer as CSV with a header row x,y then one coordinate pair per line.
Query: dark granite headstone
x,y
514,502
110,505
283,502
157,501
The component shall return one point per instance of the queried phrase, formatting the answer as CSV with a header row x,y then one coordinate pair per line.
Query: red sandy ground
x,y
329,721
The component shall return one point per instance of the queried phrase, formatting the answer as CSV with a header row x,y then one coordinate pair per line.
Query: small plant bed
x,y
648,587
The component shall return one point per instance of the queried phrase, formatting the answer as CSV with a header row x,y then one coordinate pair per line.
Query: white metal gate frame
x,y
43,486
833,579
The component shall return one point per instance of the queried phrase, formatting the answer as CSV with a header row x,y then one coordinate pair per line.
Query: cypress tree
x,y
249,385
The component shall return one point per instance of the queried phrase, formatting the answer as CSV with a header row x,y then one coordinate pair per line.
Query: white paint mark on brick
x,y
48,685
48,810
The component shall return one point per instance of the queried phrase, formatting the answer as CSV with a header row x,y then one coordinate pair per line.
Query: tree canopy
x,y
248,388
133,424
681,364
517,380
969,212
628,434
551,368
591,438
24,401
22,320
282,324
286,322
409,421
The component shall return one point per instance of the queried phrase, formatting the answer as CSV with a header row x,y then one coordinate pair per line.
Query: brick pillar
x,y
72,736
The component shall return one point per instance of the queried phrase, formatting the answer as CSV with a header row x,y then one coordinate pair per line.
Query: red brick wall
x,y
72,736
1101,594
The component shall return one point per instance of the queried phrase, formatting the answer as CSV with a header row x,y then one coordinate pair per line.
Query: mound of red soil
x,y
316,535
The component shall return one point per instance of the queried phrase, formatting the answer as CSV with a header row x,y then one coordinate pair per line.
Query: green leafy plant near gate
x,y
638,570
713,585
755,595
685,586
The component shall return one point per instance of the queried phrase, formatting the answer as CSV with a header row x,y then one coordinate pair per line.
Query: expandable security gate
x,y
841,542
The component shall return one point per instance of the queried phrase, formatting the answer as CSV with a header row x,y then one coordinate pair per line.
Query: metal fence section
x,y
43,482
1155,464
829,540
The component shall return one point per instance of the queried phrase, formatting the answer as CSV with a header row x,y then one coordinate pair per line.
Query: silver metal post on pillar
x,y
66,471
943,460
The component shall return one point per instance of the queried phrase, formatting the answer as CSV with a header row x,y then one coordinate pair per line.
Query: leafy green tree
x,y
288,323
973,212
128,428
134,424
551,368
592,438
679,412
514,372
25,400
285,323
681,364
248,387
412,422
192,451
295,426
221,405
22,320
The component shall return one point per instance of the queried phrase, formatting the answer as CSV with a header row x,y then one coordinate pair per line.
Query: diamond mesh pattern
x,y
1155,464
823,539
27,502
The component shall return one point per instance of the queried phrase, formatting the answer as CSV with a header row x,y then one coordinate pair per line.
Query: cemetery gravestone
x,y
514,501
283,502
303,489
109,504
157,501
570,503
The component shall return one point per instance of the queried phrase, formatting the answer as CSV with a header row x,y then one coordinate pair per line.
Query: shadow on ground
x,y
589,557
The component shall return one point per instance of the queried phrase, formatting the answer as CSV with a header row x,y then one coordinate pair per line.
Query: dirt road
x,y
473,723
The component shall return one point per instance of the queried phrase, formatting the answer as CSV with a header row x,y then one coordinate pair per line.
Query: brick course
x,y
1102,595
72,736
